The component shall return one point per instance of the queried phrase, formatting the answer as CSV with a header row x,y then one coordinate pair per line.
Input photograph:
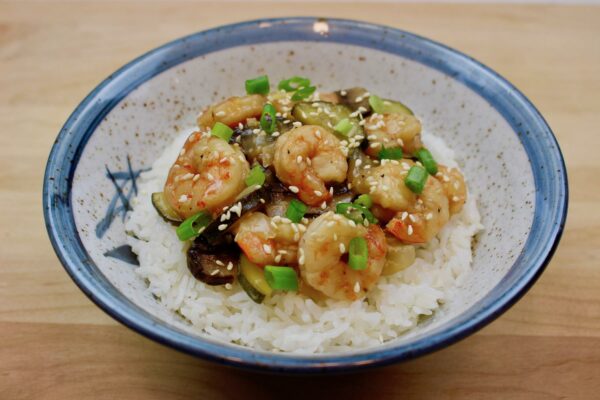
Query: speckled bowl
x,y
505,147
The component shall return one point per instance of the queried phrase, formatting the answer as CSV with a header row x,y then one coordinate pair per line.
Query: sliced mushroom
x,y
212,269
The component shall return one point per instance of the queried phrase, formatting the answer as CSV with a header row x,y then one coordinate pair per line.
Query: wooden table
x,y
55,344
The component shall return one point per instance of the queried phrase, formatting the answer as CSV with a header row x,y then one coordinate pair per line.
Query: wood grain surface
x,y
55,344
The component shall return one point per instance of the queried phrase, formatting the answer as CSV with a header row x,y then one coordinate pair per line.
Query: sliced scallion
x,y
344,127
222,131
364,200
427,160
258,85
416,178
358,254
303,93
376,103
390,153
193,226
293,84
268,118
355,212
281,278
296,210
256,176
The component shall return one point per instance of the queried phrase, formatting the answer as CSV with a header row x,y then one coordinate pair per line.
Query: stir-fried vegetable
x,y
386,106
212,269
252,280
327,115
164,209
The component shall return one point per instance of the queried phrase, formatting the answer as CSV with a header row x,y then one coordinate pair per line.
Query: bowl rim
x,y
535,135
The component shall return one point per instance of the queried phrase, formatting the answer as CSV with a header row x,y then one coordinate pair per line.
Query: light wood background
x,y
55,344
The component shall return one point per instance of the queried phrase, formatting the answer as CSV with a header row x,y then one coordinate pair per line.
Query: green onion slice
x,y
303,93
281,278
193,226
296,210
416,178
222,131
355,212
358,254
390,153
268,121
258,85
376,104
256,176
293,84
364,200
427,160
344,127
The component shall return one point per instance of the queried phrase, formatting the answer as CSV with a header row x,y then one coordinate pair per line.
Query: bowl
x,y
505,147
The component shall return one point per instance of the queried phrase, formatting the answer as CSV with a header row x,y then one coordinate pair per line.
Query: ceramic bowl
x,y
504,146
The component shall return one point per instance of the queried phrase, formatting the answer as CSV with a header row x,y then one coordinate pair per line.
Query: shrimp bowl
x,y
305,195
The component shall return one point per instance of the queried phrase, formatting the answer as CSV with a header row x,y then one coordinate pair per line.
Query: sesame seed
x,y
183,198
409,230
278,258
196,177
342,248
318,134
335,237
308,161
297,124
299,160
262,200
222,227
358,162
210,176
352,223
225,217
343,92
404,215
305,220
455,198
428,216
219,262
324,205
294,189
275,134
228,286
267,248
356,287
229,266
187,176
412,218
220,113
318,193
256,131
214,272
445,178
373,145
331,190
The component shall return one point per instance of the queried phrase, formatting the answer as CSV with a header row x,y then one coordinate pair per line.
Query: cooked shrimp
x,y
322,257
232,111
454,185
208,174
420,222
266,240
308,157
385,184
393,130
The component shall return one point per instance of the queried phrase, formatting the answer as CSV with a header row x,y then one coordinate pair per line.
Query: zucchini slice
x,y
164,209
386,106
252,280
327,115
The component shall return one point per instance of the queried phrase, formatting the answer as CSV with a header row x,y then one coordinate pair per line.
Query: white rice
x,y
289,322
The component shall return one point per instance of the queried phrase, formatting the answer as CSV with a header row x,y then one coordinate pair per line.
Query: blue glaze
x,y
123,253
119,204
533,132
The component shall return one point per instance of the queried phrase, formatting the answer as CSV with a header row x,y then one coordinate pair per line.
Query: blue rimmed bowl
x,y
505,147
